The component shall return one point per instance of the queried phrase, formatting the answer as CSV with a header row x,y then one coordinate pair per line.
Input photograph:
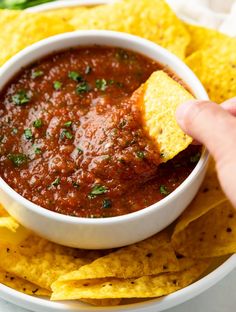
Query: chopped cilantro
x,y
122,123
56,182
14,130
107,203
68,124
36,73
140,154
80,151
82,87
28,134
164,190
38,151
101,84
75,76
67,134
21,98
75,184
195,158
38,123
97,190
88,70
57,85
18,159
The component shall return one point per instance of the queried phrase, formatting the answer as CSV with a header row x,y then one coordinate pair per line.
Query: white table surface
x,y
220,298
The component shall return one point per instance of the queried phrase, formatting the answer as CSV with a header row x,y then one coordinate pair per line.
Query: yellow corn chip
x,y
211,235
161,95
102,302
153,20
216,68
143,287
20,29
209,195
22,285
149,257
203,38
40,261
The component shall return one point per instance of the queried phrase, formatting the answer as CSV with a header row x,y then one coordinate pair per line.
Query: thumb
x,y
211,125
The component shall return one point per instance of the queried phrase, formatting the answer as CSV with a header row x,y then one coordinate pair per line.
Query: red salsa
x,y
72,141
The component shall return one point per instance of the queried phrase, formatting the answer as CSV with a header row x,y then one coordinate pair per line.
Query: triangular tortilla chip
x,y
160,97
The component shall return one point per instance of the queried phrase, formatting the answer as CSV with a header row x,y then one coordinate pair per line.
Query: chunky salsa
x,y
72,140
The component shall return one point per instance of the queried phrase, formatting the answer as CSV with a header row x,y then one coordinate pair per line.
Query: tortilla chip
x,y
10,230
65,14
216,68
40,261
102,302
22,285
211,235
160,97
149,257
143,287
209,196
21,29
153,20
203,38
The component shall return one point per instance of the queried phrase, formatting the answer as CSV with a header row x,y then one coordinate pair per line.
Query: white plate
x,y
161,304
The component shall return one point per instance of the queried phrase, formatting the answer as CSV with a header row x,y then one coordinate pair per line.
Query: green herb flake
x,y
28,134
66,134
37,73
107,203
57,85
68,124
37,151
101,84
75,76
195,158
122,55
82,87
75,184
38,123
97,190
122,123
80,151
140,154
21,98
14,130
18,159
56,182
88,70
164,190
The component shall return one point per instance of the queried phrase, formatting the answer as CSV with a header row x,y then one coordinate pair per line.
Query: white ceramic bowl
x,y
108,232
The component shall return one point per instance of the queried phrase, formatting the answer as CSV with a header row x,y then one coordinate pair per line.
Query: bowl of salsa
x,y
76,165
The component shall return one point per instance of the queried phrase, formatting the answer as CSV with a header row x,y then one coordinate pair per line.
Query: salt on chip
x,y
209,196
143,287
203,38
22,285
211,235
216,68
159,98
21,29
153,20
149,257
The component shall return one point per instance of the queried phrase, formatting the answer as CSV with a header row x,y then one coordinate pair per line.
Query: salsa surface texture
x,y
72,141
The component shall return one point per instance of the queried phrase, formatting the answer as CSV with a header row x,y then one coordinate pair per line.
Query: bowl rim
x,y
132,39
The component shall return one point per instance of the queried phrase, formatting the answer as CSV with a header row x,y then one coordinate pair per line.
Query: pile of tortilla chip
x,y
170,260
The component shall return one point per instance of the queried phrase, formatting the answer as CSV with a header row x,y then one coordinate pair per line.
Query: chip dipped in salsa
x,y
72,138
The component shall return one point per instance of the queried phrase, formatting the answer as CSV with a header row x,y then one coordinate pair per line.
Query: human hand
x,y
214,126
